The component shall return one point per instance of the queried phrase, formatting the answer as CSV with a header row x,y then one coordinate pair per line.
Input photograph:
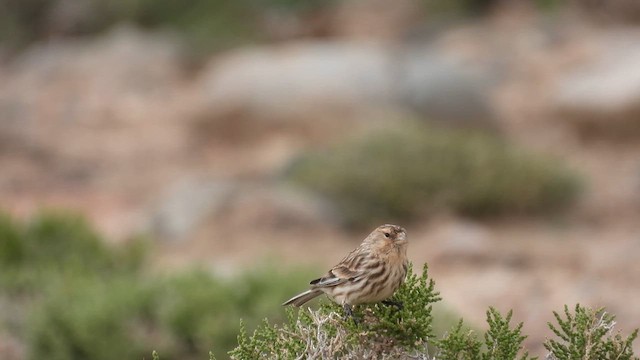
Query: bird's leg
x,y
397,304
348,313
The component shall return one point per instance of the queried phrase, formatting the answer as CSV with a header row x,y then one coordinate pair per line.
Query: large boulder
x,y
298,81
185,205
443,87
193,204
601,96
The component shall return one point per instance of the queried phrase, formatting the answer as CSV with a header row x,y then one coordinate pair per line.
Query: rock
x,y
463,242
313,90
189,205
278,208
299,76
601,97
443,88
132,59
297,81
185,205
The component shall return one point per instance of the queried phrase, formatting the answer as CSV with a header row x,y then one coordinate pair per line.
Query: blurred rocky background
x,y
504,135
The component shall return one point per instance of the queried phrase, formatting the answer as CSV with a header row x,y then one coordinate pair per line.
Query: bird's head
x,y
389,234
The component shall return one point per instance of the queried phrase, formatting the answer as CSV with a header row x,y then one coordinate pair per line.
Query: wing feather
x,y
347,271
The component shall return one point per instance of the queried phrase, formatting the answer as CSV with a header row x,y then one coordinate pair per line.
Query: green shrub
x,y
381,330
74,297
403,172
198,311
93,320
112,309
500,341
88,319
207,25
58,244
202,311
390,333
460,8
12,250
457,8
182,316
587,334
460,344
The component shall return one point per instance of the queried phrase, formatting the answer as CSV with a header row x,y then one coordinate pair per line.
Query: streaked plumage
x,y
370,273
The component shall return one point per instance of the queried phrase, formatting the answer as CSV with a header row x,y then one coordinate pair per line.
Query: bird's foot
x,y
398,304
348,313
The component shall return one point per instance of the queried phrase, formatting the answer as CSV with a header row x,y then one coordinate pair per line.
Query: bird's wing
x,y
344,272
336,276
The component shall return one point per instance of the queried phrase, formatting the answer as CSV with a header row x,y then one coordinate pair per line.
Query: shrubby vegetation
x,y
390,333
73,297
459,8
405,172
56,245
182,317
501,341
381,330
208,25
204,23
76,298
587,335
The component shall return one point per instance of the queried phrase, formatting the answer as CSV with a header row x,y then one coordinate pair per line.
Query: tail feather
x,y
303,298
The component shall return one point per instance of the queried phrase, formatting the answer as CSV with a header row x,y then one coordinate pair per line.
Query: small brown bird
x,y
370,273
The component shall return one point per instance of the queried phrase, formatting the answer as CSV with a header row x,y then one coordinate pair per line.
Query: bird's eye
x,y
387,234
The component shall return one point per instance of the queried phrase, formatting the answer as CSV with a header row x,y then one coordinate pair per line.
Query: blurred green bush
x,y
182,317
402,172
59,244
460,8
77,298
207,25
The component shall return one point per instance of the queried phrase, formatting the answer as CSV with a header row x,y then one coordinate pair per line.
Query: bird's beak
x,y
402,237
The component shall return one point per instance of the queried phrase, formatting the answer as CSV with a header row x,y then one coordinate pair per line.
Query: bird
x,y
371,273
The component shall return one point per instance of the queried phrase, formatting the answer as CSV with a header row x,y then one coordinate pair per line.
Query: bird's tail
x,y
303,298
